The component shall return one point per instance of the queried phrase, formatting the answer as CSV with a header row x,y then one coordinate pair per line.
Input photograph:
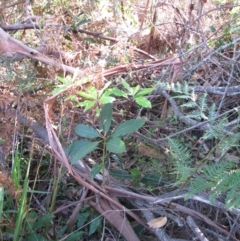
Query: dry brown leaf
x,y
149,151
157,222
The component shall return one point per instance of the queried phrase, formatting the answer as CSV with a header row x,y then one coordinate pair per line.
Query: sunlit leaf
x,y
59,89
85,95
143,101
88,104
135,90
128,127
116,92
144,92
126,86
115,145
101,92
106,99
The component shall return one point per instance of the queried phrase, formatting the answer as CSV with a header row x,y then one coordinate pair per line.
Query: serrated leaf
x,y
143,101
127,127
157,222
95,170
83,151
115,145
105,118
94,225
86,131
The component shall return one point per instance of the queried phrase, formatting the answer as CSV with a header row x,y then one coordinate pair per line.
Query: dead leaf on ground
x,y
157,222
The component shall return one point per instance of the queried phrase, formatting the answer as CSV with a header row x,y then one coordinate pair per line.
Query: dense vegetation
x,y
119,120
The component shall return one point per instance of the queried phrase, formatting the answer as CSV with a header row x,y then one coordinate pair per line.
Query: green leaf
x,y
144,92
135,90
144,102
94,225
82,22
106,99
59,89
126,86
116,92
212,28
82,218
88,104
42,221
86,131
104,88
152,179
127,127
83,151
86,95
34,236
115,145
68,37
95,170
121,174
105,118
75,236
136,174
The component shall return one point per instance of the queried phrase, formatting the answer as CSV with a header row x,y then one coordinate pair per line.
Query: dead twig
x,y
196,229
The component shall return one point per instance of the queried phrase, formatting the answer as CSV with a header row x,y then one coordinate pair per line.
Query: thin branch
x,y
195,229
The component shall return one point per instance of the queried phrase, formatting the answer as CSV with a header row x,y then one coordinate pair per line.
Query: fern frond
x,y
202,101
182,172
215,130
229,142
212,113
219,179
197,115
190,104
179,151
